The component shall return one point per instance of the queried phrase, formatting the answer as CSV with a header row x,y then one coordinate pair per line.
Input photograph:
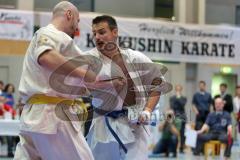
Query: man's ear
x,y
115,32
69,14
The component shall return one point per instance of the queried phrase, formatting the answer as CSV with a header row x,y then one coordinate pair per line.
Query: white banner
x,y
168,41
16,25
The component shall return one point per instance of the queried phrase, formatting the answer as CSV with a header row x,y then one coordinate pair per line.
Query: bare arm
x,y
229,130
195,110
174,130
204,128
154,96
152,101
161,126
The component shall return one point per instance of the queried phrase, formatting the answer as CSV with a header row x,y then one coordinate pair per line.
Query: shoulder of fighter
x,y
139,56
92,52
130,52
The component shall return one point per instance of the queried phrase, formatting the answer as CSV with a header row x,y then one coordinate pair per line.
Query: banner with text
x,y
168,41
16,25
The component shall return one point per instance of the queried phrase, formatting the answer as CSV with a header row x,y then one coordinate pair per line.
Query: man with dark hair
x,y
228,106
105,18
120,134
201,104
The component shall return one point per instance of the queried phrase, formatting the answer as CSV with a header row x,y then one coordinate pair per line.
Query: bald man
x,y
43,134
218,126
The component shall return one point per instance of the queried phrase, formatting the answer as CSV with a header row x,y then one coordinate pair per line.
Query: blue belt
x,y
116,114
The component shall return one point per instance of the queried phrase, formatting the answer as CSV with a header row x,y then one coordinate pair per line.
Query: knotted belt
x,y
44,99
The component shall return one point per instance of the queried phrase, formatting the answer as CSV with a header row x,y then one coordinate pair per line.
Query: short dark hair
x,y
223,85
203,82
1,82
106,18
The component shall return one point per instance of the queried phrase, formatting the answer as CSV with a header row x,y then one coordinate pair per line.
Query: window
x,y
83,5
8,4
237,16
164,8
47,5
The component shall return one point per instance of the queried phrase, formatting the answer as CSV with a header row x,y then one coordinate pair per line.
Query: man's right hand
x,y
195,110
197,113
199,132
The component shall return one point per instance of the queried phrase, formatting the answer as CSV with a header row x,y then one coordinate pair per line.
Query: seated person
x,y
170,132
2,102
219,127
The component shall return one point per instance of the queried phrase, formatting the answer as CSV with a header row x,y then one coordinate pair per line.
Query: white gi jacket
x,y
122,127
35,80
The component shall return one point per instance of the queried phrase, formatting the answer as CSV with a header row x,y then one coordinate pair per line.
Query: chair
x,y
213,148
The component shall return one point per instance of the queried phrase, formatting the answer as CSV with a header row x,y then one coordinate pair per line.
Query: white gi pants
x,y
137,150
66,144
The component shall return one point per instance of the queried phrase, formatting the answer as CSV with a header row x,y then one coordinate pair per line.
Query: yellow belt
x,y
44,99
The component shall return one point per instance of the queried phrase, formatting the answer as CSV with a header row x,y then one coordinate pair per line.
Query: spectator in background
x,y
9,107
170,131
7,100
19,106
228,106
219,127
177,104
8,94
236,104
2,99
1,87
1,104
201,105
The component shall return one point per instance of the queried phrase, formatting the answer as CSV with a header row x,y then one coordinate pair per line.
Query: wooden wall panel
x,y
11,47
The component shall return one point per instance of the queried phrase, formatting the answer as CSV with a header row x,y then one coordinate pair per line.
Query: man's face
x,y
73,19
104,37
10,89
202,86
219,104
223,89
178,88
238,91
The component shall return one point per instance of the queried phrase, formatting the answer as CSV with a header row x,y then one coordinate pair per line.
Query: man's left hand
x,y
144,117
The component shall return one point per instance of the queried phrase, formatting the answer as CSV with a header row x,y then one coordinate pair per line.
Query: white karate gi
x,y
102,143
43,134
